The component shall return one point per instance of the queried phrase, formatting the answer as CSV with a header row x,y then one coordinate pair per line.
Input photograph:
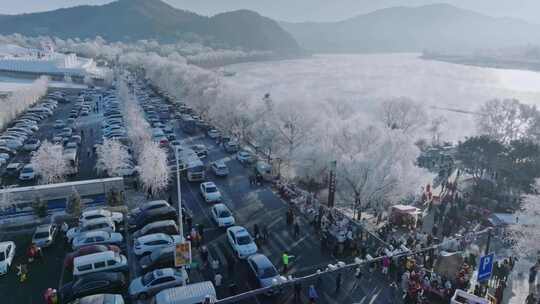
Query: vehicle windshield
x,y
41,235
147,278
224,213
211,189
268,272
2,256
244,240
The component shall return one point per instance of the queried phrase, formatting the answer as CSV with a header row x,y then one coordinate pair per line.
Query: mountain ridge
x,y
129,20
414,29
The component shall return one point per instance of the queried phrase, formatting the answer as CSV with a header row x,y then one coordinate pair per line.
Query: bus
x,y
192,164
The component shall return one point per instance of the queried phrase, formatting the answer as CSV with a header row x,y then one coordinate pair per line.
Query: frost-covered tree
x,y
49,163
403,114
375,166
153,169
525,232
22,99
112,157
508,119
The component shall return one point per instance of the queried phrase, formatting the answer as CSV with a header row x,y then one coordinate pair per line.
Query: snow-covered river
x,y
362,80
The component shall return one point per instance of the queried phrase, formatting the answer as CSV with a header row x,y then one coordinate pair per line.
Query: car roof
x,y
101,275
208,184
153,236
44,227
261,260
160,224
238,230
220,207
98,221
93,256
95,233
153,203
163,272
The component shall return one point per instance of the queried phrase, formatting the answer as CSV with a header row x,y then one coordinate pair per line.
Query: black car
x,y
153,215
162,258
93,283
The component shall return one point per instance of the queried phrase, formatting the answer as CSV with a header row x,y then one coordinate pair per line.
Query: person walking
x,y
296,227
297,292
200,230
312,294
532,279
385,265
285,259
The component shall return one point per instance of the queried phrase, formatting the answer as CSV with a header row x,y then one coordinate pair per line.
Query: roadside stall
x,y
404,215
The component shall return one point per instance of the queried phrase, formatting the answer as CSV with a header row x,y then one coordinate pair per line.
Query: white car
x,y
97,238
245,157
157,280
7,254
241,242
210,192
117,217
101,224
219,168
148,243
44,235
222,215
27,173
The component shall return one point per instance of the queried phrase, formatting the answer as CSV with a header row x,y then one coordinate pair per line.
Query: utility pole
x,y
486,252
179,194
332,184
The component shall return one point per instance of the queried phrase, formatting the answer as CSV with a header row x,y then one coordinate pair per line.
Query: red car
x,y
68,261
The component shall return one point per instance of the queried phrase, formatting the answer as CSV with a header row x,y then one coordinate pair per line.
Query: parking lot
x,y
250,205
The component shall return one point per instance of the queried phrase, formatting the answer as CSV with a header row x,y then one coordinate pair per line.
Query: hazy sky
x,y
301,10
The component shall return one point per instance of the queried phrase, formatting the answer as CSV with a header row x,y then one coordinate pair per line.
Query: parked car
x,y
117,217
149,216
245,156
210,192
99,262
93,283
27,173
241,242
168,227
263,270
157,280
32,144
219,168
149,206
90,249
148,243
96,238
7,254
59,124
200,150
222,215
104,298
101,224
44,235
14,168
160,258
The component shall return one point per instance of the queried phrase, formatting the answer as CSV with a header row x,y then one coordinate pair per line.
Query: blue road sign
x,y
486,267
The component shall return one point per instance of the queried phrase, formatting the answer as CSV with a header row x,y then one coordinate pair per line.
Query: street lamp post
x,y
179,193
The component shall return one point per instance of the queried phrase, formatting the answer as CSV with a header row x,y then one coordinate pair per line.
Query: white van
x,y
101,261
189,294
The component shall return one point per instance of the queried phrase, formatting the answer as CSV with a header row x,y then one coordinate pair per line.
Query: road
x,y
260,205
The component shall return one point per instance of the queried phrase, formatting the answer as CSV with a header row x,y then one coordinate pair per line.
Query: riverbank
x,y
486,62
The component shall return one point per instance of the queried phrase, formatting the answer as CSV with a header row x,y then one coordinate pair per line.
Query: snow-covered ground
x,y
359,82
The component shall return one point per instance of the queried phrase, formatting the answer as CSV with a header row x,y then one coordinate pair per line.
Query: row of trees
x,y
153,170
22,99
49,163
375,158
